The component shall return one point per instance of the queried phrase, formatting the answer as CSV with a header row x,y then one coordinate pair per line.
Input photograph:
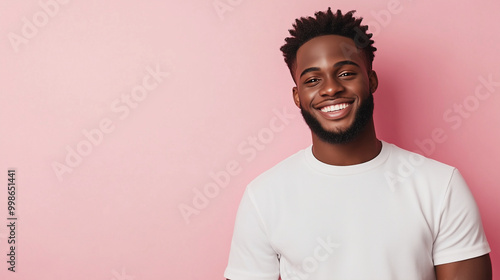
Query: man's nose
x,y
331,86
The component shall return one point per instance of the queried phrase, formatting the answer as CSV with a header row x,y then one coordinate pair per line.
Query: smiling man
x,y
334,209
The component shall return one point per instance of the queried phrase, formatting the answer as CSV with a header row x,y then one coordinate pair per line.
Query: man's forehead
x,y
332,46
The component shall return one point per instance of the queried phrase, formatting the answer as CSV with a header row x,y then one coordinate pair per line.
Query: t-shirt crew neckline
x,y
329,169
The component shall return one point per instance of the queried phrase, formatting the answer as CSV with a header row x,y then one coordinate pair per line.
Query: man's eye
x,y
346,74
312,80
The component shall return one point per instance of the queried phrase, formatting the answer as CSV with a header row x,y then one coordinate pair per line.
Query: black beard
x,y
361,120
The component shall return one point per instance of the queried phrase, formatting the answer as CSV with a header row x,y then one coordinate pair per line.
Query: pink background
x,y
116,215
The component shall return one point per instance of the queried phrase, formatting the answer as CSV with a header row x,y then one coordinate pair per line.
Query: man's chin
x,y
337,127
330,133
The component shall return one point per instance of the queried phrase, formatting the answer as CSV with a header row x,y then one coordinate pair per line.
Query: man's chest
x,y
353,224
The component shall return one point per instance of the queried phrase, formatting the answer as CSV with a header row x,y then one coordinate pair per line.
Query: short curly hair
x,y
328,23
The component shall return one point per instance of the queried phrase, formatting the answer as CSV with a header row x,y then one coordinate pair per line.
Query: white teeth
x,y
335,107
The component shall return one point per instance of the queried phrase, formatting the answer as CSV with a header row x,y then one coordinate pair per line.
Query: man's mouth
x,y
333,108
336,111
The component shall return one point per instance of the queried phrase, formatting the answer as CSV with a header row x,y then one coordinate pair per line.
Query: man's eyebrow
x,y
336,65
345,62
310,69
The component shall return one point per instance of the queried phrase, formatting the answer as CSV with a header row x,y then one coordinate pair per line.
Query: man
x,y
340,209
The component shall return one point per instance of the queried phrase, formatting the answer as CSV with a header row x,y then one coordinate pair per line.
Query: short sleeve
x,y
252,256
460,234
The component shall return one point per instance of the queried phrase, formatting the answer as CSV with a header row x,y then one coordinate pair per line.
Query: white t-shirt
x,y
393,217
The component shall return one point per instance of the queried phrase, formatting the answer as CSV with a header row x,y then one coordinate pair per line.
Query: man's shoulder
x,y
282,171
404,159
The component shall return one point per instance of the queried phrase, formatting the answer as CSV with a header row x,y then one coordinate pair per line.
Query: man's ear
x,y
296,98
373,81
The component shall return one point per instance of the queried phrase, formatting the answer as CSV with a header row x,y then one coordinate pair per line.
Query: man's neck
x,y
362,149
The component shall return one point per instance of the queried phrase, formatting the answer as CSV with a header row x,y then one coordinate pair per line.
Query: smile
x,y
333,108
336,111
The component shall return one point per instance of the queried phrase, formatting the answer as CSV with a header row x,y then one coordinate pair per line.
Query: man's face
x,y
334,88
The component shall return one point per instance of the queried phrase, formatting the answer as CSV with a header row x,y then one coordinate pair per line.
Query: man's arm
x,y
251,256
472,269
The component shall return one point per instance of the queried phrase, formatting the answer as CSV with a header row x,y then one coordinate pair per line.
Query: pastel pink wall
x,y
139,105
